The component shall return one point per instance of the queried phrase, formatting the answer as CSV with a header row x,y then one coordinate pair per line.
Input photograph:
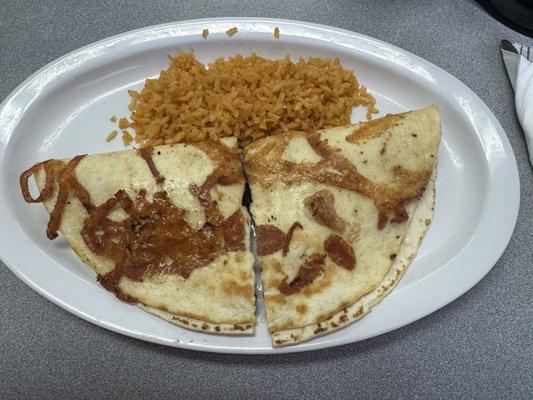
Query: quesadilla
x,y
162,227
339,214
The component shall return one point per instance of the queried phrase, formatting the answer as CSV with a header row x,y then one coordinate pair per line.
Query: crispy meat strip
x,y
340,251
63,174
146,154
321,206
307,273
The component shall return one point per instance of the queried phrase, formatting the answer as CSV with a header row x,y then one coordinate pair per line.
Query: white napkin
x,y
520,72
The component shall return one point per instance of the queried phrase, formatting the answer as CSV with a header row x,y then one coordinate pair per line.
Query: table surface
x,y
479,346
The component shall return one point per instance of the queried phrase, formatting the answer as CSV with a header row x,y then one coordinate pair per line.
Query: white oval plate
x,y
64,109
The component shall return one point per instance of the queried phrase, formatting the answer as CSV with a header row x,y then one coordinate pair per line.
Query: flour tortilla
x,y
339,296
218,297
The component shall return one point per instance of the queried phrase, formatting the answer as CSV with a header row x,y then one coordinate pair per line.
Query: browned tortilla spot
x,y
373,129
233,288
301,308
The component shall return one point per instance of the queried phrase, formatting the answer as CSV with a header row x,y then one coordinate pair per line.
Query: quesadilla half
x,y
339,215
161,227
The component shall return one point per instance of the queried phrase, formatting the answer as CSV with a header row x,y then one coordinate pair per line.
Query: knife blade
x,y
507,45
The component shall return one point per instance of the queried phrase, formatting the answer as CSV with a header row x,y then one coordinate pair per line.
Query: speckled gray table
x,y
480,346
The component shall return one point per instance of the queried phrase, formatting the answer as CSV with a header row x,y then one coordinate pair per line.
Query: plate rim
x,y
114,42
